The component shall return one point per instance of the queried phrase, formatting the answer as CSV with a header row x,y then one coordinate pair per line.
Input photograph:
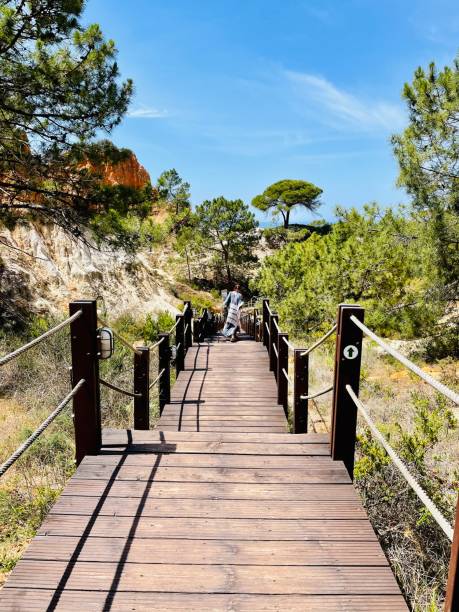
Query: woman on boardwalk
x,y
234,304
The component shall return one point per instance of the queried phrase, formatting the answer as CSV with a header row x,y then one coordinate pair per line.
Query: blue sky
x,y
236,94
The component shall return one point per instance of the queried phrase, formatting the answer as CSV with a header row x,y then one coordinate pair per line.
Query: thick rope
x,y
289,344
276,324
31,439
47,334
115,388
267,328
153,346
120,338
290,381
431,507
157,378
319,342
318,394
275,350
449,393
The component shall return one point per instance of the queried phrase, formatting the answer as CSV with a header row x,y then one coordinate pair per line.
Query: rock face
x,y
58,269
128,172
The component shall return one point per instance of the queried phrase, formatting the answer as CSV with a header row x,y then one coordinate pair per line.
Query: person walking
x,y
234,304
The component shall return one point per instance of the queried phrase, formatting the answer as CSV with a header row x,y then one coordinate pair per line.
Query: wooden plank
x,y
23,600
210,508
216,460
215,529
195,578
157,473
208,552
204,490
123,436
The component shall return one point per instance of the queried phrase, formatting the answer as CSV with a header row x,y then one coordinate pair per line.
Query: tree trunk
x,y
286,217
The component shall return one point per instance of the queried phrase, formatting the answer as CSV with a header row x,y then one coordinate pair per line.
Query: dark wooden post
x,y
300,388
452,587
204,331
264,323
179,344
141,386
164,383
347,372
196,326
282,364
188,318
273,343
255,328
85,365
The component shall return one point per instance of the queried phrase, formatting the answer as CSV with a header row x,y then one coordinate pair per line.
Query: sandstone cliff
x,y
55,269
128,172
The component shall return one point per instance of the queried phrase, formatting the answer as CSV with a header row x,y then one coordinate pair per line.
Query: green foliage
x,y
21,515
225,235
152,327
59,87
417,548
173,190
428,155
371,258
283,196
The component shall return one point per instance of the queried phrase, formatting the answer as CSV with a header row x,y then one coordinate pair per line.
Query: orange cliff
x,y
128,172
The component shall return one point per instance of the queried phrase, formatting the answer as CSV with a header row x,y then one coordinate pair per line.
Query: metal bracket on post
x,y
273,343
164,383
180,344
347,372
300,388
85,365
282,364
142,388
265,322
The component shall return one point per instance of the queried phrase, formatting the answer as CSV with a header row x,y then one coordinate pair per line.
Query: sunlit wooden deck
x,y
219,508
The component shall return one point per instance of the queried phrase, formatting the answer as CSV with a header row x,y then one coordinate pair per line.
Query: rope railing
x,y
320,341
267,328
31,439
276,324
156,344
152,384
438,386
317,394
126,343
6,358
413,483
118,389
289,380
275,350
174,326
291,346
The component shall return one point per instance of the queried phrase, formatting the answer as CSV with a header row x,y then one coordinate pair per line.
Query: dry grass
x,y
30,388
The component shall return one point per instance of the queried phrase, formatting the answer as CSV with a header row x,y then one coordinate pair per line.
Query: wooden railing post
x,y
179,344
264,323
188,317
273,343
164,384
255,329
282,364
452,587
141,386
300,388
85,365
347,372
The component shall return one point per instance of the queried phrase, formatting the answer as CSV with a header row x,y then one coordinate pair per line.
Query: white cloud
x,y
145,112
334,103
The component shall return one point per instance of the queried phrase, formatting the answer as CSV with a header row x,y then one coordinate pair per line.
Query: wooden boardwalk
x,y
219,508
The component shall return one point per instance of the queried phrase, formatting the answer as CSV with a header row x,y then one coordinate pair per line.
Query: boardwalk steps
x,y
218,508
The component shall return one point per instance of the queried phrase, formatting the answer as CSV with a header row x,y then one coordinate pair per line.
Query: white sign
x,y
350,351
